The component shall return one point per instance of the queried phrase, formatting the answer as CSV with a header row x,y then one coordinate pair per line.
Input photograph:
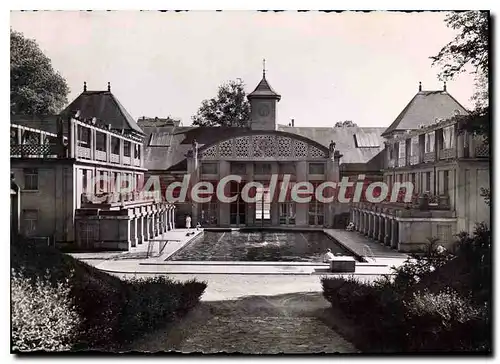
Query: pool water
x,y
260,246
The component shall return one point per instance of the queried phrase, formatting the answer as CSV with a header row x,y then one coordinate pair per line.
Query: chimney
x,y
293,122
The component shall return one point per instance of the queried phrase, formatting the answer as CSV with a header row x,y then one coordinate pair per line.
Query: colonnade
x,y
148,223
377,226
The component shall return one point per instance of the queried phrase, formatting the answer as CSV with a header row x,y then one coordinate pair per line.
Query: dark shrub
x,y
431,303
43,316
377,307
446,321
111,310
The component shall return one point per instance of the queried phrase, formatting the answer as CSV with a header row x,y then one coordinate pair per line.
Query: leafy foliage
x,y
229,108
35,88
111,311
435,302
43,316
346,124
470,48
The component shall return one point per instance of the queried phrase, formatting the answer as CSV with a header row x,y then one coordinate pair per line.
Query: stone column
x,y
173,218
387,228
168,218
381,226
133,231
370,225
165,219
140,229
155,224
394,234
146,223
151,226
363,222
375,227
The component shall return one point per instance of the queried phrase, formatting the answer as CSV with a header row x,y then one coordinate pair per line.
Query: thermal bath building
x,y
421,146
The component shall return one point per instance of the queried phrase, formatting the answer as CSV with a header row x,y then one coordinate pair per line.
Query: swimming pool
x,y
266,246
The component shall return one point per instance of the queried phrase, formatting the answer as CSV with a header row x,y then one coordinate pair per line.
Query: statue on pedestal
x,y
194,146
331,148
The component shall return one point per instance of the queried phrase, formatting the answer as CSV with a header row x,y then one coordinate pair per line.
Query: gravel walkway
x,y
289,323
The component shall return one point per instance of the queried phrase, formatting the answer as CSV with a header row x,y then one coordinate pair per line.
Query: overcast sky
x,y
363,67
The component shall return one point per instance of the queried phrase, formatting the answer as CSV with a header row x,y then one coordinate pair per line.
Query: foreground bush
x,y
446,321
111,311
424,321
43,317
436,302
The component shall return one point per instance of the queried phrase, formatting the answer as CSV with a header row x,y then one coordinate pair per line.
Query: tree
x,y
35,88
229,108
469,50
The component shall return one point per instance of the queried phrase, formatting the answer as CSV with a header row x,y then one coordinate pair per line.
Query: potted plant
x,y
433,200
423,201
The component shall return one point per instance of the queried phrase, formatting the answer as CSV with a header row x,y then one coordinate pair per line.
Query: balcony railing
x,y
413,160
116,197
482,151
100,155
402,162
422,201
429,157
83,152
137,162
36,150
447,153
126,160
392,163
115,158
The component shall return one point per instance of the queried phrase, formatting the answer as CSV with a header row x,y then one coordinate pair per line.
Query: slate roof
x,y
177,142
264,90
105,107
46,123
424,109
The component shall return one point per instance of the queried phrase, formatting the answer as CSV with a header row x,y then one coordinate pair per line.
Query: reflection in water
x,y
260,246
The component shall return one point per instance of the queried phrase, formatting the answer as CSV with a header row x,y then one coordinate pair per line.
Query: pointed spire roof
x,y
263,89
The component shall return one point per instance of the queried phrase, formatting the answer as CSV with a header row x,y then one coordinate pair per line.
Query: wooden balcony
x,y
414,160
36,150
100,155
482,151
115,158
113,198
429,157
83,152
449,153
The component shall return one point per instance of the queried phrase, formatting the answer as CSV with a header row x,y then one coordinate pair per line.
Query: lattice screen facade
x,y
263,147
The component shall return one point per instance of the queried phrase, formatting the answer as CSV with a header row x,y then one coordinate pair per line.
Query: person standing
x,y
188,222
328,257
